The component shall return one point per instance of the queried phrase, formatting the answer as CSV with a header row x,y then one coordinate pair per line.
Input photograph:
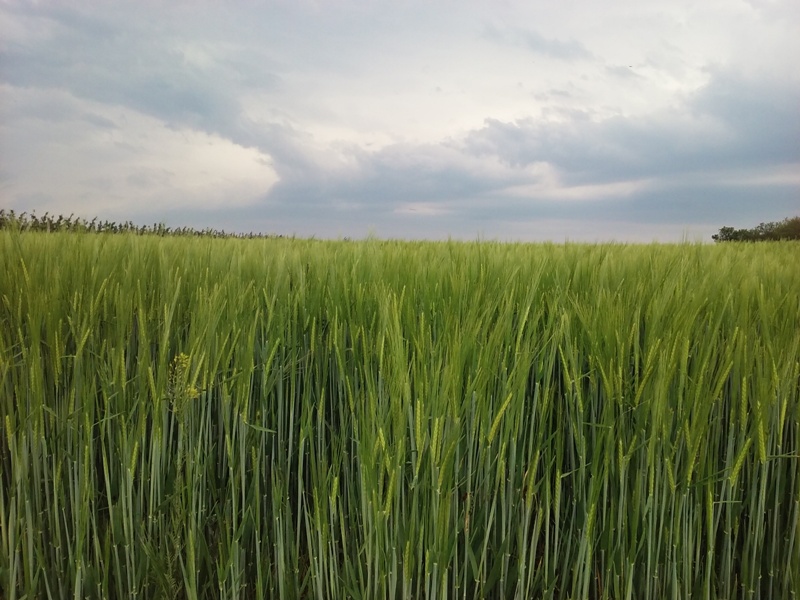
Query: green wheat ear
x,y
180,391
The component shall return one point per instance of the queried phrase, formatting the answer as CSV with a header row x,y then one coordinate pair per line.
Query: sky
x,y
622,120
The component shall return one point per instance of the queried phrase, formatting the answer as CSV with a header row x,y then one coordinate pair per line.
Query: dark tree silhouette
x,y
788,229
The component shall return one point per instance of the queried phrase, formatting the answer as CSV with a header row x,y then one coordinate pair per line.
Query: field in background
x,y
301,419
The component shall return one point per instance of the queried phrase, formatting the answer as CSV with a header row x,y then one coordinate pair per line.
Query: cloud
x,y
116,59
399,174
762,114
681,165
338,117
130,165
570,50
534,41
622,72
730,123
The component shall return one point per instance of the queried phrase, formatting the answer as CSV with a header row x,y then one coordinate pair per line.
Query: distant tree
x,y
788,229
726,234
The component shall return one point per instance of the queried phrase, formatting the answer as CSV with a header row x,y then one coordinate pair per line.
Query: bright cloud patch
x,y
110,160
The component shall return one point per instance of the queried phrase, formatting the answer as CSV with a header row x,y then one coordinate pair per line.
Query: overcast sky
x,y
515,120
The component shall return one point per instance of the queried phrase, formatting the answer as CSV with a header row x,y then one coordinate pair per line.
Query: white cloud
x,y
132,167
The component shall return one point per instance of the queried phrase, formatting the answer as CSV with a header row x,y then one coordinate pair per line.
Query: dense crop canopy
x,y
300,419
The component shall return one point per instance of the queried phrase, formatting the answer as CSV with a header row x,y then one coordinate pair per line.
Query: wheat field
x,y
279,418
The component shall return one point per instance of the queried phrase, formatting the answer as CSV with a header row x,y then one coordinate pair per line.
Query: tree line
x,y
788,229
49,223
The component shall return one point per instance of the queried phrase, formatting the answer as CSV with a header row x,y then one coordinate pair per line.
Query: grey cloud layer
x,y
684,157
107,62
679,157
730,123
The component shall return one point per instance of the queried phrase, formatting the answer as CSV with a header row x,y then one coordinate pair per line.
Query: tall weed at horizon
x,y
303,419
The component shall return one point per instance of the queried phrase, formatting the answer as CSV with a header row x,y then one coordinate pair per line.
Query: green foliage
x,y
10,220
202,418
788,229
